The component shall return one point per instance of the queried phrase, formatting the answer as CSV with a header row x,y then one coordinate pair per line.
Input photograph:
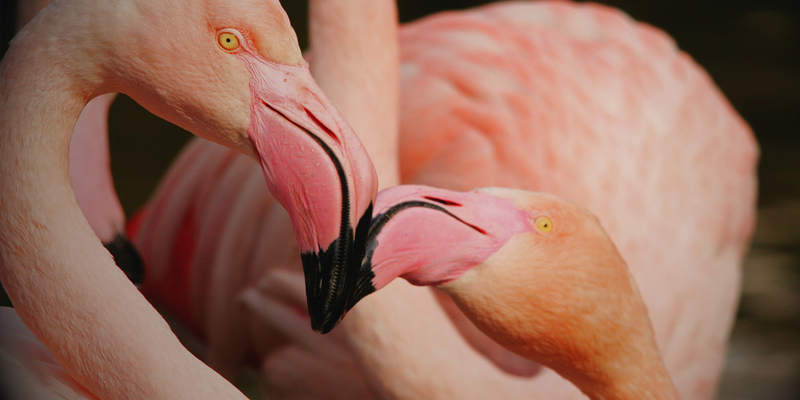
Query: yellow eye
x,y
228,41
544,224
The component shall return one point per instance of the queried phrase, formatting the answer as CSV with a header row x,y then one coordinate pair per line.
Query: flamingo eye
x,y
228,41
544,224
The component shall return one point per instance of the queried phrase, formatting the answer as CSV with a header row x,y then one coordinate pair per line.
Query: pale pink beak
x,y
431,236
318,170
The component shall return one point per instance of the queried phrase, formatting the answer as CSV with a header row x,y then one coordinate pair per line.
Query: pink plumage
x,y
582,103
574,100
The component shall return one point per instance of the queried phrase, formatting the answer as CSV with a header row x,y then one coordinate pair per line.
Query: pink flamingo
x,y
578,101
246,78
535,272
184,271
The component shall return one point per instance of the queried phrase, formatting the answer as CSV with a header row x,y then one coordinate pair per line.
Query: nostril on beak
x,y
321,125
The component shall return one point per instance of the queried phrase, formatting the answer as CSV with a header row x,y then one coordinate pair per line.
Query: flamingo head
x,y
536,273
231,71
432,236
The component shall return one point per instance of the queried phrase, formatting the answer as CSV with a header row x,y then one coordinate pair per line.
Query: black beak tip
x,y
332,275
325,292
323,319
127,257
326,325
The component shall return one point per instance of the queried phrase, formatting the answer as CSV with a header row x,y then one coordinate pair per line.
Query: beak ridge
x,y
318,170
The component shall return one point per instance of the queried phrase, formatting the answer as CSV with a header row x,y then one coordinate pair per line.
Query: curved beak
x,y
126,257
318,170
431,236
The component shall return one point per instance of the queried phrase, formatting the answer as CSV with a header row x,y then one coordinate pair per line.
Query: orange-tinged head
x,y
536,273
561,296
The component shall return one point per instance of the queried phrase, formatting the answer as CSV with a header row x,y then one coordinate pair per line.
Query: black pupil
x,y
228,40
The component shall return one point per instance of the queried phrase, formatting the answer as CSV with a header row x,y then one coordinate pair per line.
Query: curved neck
x,y
356,61
62,281
635,370
89,165
642,385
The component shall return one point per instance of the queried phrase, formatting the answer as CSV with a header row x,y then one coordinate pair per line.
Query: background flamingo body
x,y
608,114
574,100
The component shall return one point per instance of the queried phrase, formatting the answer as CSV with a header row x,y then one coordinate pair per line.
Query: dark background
x,y
750,48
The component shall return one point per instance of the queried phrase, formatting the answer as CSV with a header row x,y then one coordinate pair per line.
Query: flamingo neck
x,y
578,313
63,283
637,372
362,77
622,362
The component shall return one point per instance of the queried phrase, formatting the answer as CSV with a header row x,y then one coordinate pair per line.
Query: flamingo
x,y
195,211
245,86
574,100
580,102
535,272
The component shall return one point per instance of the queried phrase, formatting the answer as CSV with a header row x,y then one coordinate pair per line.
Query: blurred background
x,y
752,51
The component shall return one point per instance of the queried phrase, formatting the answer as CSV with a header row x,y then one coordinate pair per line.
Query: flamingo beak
x,y
318,170
126,257
329,290
430,236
